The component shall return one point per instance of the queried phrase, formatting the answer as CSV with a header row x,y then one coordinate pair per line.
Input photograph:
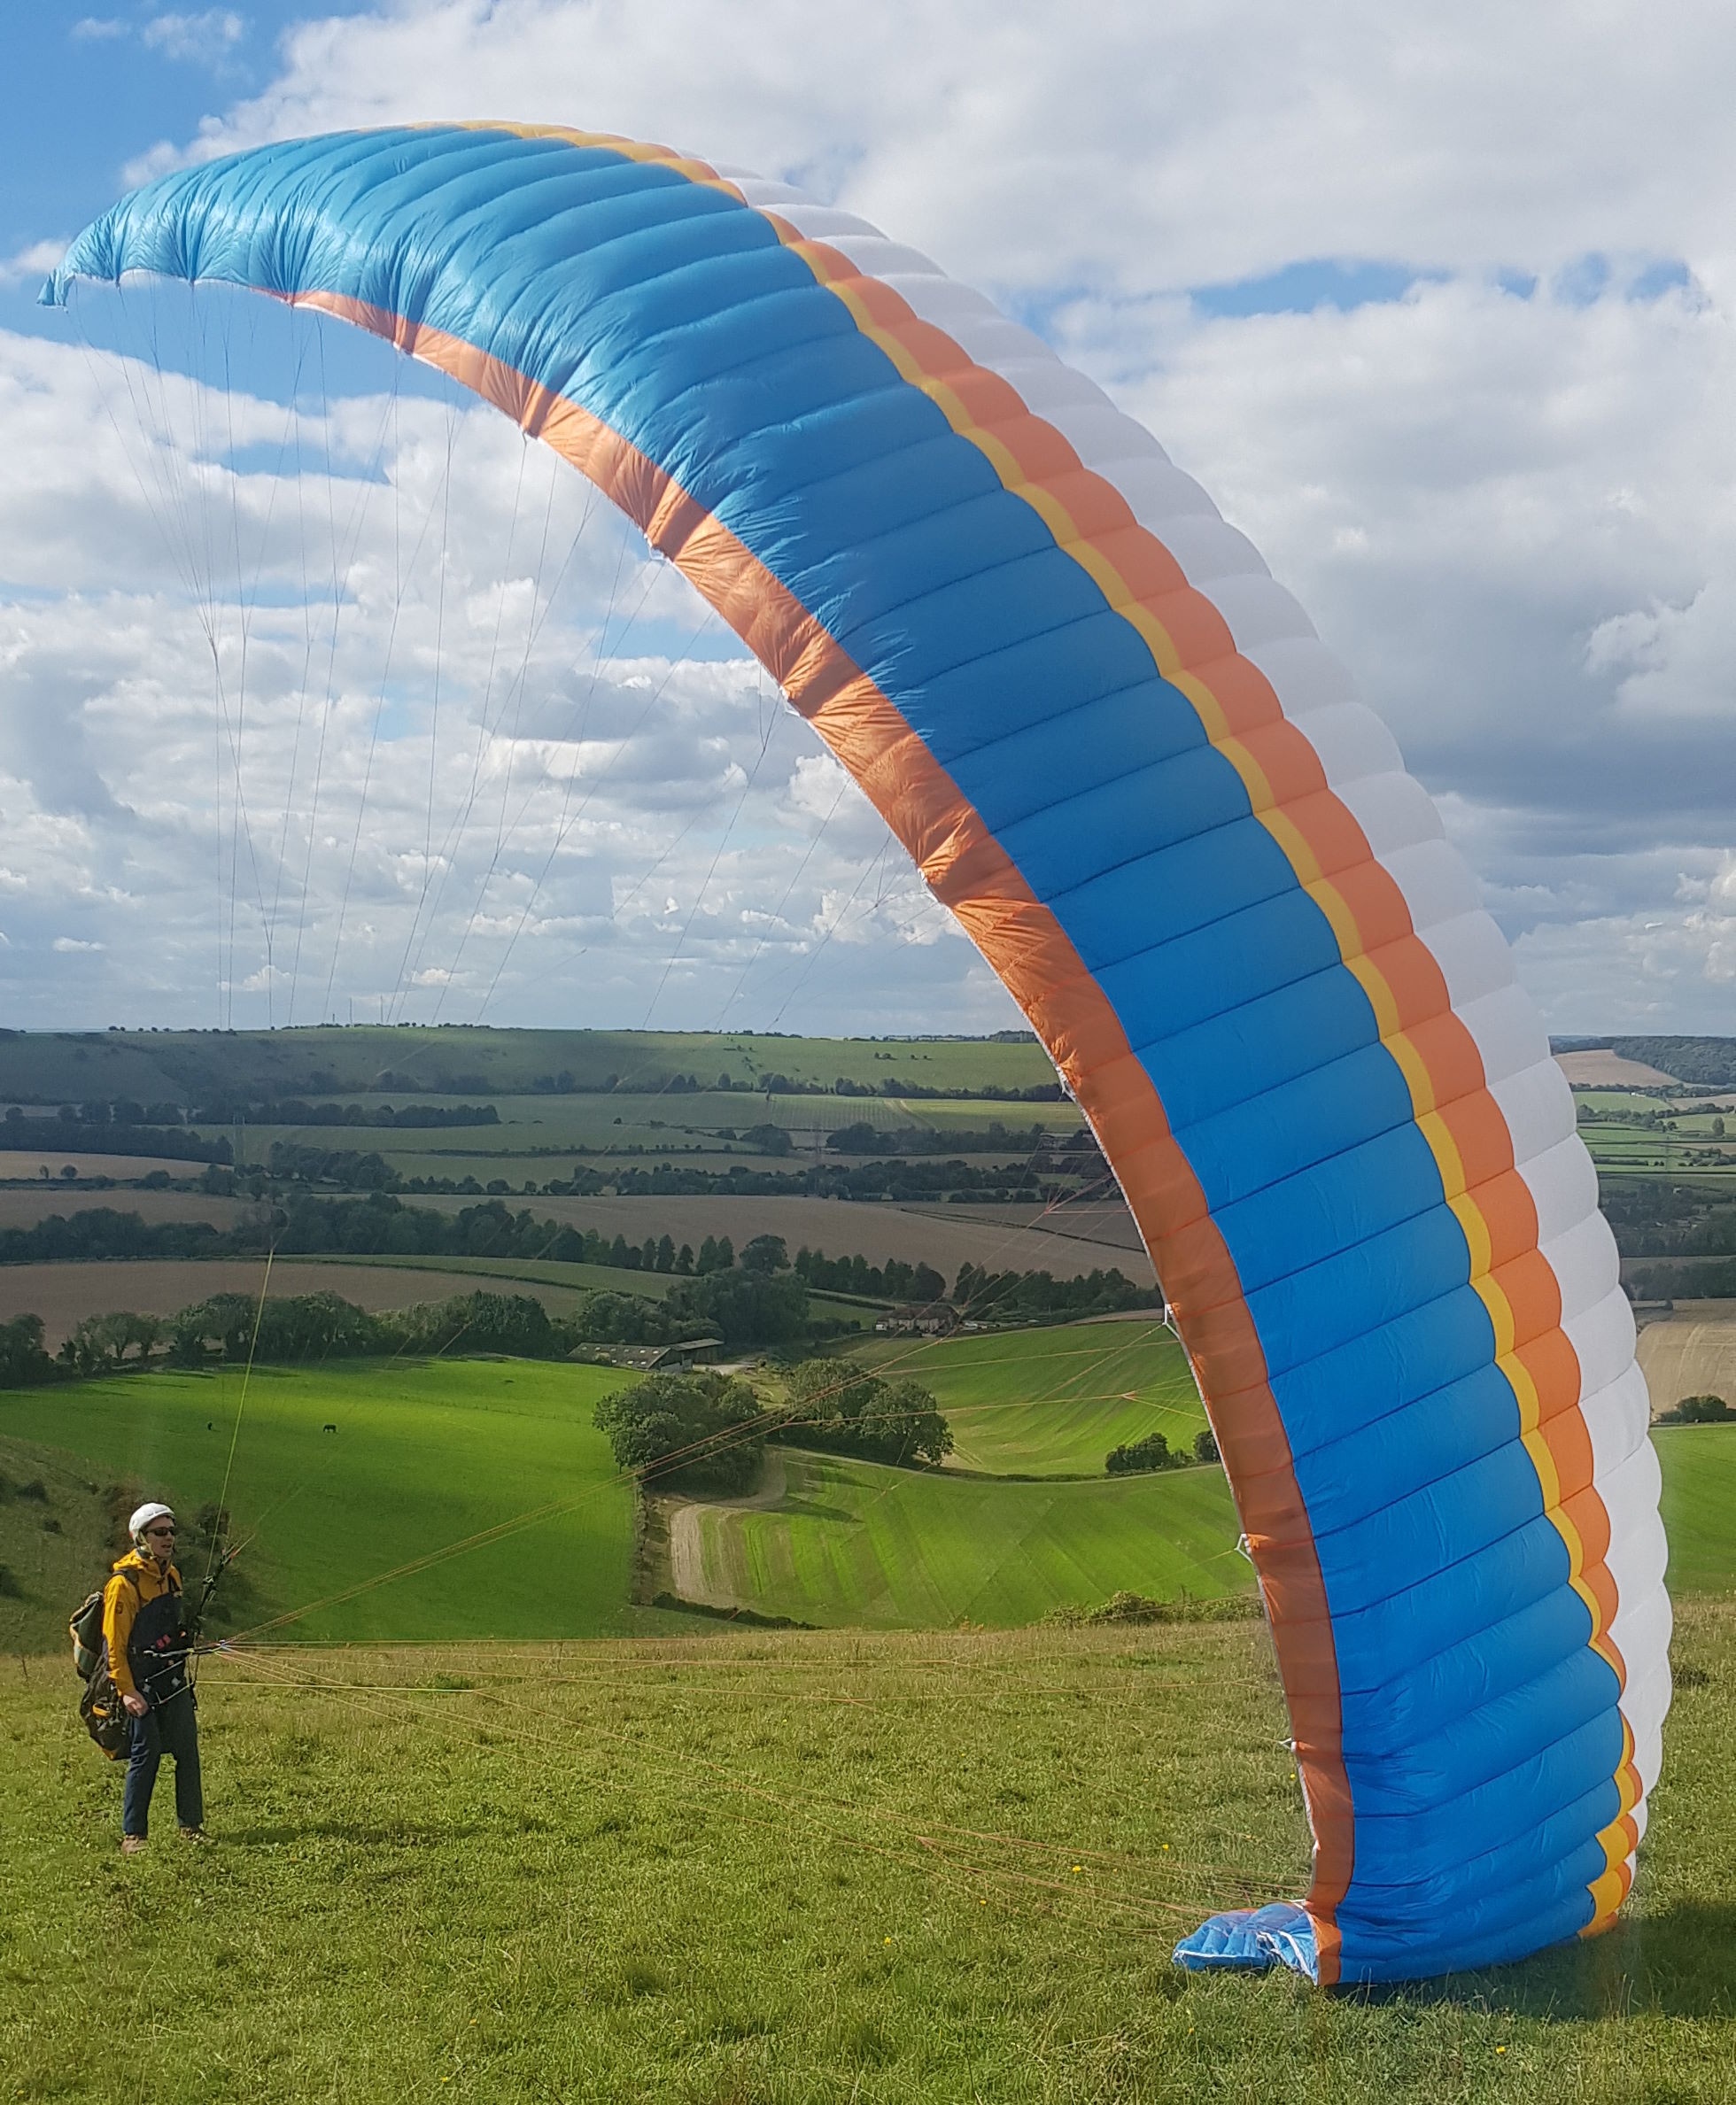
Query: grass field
x,y
430,1454
1699,1464
426,1454
1051,1403
856,1544
1690,1148
324,1060
540,1137
796,1869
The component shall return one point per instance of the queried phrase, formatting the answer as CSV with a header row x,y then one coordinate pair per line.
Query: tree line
x,y
299,1329
1039,1296
382,1225
72,1129
300,1162
1139,1458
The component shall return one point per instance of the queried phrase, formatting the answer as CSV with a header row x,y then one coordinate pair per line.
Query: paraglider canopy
x,y
1117,751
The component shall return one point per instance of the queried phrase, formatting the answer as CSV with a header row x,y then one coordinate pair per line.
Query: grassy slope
x,y
1698,1465
54,1548
797,1870
1052,1402
429,1454
856,1544
200,1063
426,1454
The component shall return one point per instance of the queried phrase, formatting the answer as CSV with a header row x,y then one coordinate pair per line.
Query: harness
x,y
158,1644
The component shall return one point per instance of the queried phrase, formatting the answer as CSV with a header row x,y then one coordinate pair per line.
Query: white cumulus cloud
x,y
1486,447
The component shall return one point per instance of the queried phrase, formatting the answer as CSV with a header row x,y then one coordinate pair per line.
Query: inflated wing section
x,y
1117,752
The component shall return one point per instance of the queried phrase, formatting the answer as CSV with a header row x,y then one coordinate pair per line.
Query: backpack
x,y
86,1630
106,1718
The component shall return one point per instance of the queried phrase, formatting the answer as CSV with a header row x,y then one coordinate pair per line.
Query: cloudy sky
x,y
323,694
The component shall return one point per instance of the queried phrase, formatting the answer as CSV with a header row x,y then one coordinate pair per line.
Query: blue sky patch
x,y
1669,276
1303,288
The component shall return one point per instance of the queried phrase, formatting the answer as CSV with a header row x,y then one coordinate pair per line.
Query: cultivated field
x,y
23,1206
1606,1069
27,1164
803,1869
1105,1222
1692,1352
943,1237
64,1294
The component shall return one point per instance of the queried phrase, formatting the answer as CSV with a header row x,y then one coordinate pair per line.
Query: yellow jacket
x,y
122,1599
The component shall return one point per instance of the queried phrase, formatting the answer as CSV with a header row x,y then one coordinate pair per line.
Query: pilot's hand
x,y
136,1704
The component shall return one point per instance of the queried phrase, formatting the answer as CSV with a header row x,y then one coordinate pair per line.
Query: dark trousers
x,y
172,1731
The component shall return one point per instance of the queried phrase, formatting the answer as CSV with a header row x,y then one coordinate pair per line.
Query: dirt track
x,y
686,1541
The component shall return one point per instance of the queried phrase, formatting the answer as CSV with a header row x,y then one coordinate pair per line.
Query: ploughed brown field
x,y
999,1238
23,1206
1608,1070
63,1294
1105,1224
27,1164
1692,1352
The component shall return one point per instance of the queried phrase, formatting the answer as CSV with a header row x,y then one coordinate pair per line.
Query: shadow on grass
x,y
1678,1962
813,1510
400,1835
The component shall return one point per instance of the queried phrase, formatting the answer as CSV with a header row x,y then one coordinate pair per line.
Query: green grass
x,y
426,1454
790,1869
477,1064
856,1543
1052,1402
539,1138
429,1454
1698,1465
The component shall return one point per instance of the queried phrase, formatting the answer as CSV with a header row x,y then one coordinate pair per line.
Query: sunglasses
x,y
169,1531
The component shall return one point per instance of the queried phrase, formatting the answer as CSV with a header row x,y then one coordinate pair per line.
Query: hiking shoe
x,y
130,1845
194,1834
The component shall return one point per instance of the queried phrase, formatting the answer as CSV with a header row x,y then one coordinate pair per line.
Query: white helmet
x,y
144,1516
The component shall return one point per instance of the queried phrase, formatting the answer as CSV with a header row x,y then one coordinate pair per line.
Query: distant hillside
x,y
1703,1062
192,1068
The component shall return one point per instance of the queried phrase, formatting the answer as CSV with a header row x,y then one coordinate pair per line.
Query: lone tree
x,y
700,1429
1703,1410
